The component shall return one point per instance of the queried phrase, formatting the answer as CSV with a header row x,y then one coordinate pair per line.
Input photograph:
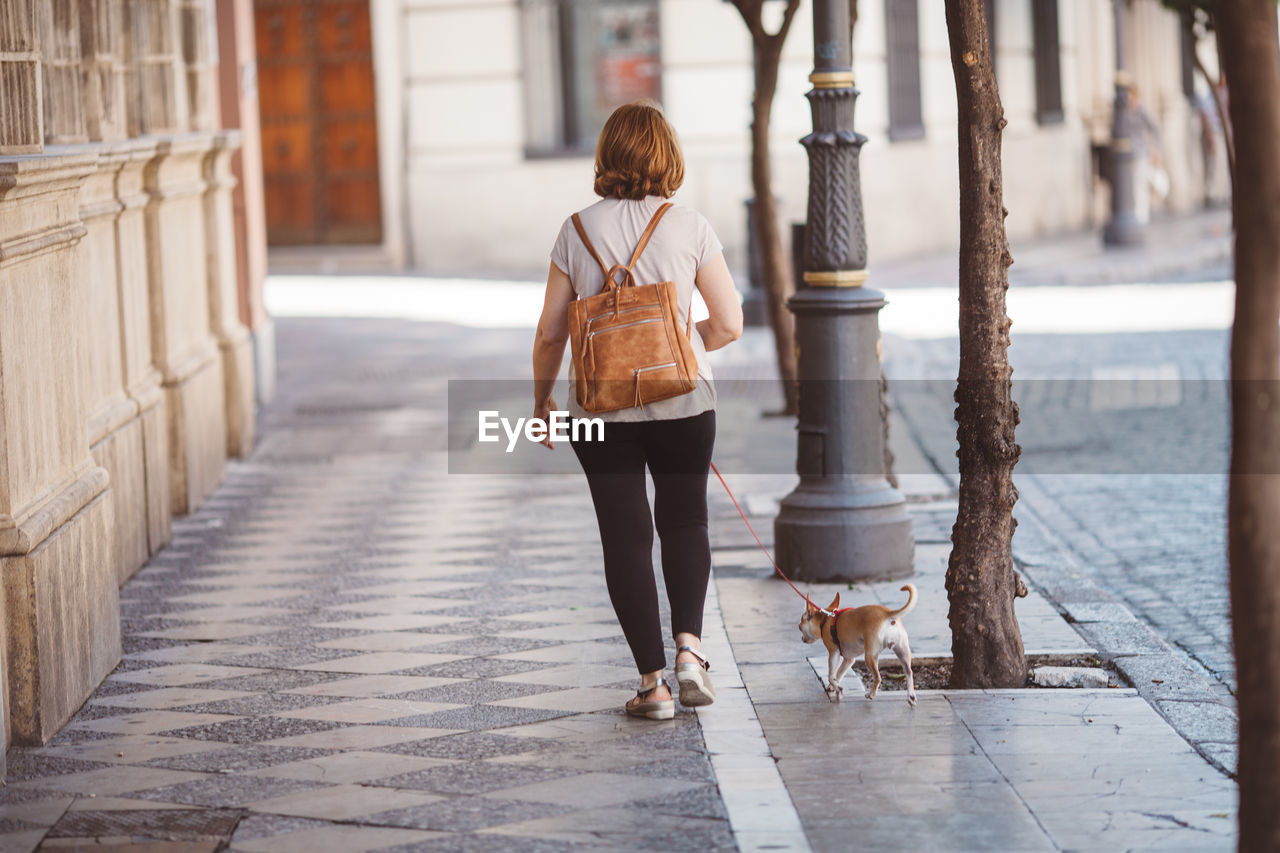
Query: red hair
x,y
638,154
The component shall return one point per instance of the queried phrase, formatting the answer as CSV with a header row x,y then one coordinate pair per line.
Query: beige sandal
x,y
663,709
695,682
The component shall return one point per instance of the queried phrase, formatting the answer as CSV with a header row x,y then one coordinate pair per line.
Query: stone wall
x,y
126,374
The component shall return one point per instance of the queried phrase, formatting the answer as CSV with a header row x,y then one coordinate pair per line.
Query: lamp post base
x,y
849,532
1124,230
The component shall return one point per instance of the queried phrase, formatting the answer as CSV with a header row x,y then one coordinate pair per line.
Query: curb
x,y
761,814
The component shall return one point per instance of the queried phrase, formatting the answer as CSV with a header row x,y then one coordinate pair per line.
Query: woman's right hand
x,y
542,411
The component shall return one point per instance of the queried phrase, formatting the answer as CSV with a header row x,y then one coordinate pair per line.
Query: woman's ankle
x,y
693,641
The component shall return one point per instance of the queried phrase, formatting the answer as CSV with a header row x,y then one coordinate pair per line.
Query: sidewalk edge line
x,y
761,813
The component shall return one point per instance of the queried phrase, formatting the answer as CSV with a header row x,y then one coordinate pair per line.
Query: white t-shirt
x,y
681,245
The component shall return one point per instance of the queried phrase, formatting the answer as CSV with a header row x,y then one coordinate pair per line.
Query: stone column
x,y
123,394
234,342
238,97
182,345
61,607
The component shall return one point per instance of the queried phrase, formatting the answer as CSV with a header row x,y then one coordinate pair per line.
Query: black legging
x,y
678,454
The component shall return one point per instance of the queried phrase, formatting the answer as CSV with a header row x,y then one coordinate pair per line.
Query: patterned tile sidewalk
x,y
347,650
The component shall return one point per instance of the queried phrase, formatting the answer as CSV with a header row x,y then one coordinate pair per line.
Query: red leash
x,y
776,567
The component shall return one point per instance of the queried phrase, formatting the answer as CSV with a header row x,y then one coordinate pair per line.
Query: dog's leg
x,y
902,648
833,684
845,663
872,651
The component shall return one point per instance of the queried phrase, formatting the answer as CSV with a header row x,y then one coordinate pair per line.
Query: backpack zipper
x,y
595,317
595,332
640,370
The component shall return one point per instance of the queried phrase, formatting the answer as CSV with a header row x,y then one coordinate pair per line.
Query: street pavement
x,y
349,648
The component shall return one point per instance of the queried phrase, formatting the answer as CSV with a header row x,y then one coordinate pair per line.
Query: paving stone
x,y
342,837
692,765
471,745
259,704
474,691
283,658
254,729
24,765
488,645
475,717
473,843
353,767
254,826
236,759
275,681
466,814
474,777
479,668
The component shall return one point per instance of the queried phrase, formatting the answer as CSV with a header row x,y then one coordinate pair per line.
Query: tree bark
x,y
775,266
767,55
986,644
1251,56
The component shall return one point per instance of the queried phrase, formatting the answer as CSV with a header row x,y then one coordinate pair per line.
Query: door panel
x,y
343,27
351,145
284,91
319,121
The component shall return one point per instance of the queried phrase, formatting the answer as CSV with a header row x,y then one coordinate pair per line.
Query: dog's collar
x,y
832,614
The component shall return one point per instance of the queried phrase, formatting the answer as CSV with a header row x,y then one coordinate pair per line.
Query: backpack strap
x,y
586,241
648,232
610,272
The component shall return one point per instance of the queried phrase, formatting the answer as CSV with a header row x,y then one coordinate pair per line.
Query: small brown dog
x,y
852,630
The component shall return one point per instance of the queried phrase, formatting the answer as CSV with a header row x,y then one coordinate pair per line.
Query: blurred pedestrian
x,y
1213,144
639,166
1150,177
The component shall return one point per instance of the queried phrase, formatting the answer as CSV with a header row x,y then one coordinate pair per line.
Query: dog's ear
x,y
835,602
809,606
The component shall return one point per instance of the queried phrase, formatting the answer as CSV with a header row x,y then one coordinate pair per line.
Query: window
x,y
1044,24
21,124
583,58
902,32
60,49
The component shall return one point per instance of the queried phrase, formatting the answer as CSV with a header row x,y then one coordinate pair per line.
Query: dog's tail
x,y
910,590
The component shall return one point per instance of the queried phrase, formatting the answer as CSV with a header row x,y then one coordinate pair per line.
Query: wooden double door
x,y
319,121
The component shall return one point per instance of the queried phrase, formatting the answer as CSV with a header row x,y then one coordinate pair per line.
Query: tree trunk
x,y
1251,56
774,263
766,49
986,644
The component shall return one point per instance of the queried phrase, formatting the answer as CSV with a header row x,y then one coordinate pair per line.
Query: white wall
x,y
474,204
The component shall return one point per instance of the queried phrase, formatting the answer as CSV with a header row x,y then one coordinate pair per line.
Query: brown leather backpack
x,y
628,349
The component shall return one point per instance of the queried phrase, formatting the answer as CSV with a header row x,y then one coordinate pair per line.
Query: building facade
x,y
127,320
485,114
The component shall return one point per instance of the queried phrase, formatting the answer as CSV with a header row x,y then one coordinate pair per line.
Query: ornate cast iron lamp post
x,y
1123,228
844,521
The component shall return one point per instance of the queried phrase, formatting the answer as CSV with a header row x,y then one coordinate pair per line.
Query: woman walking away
x,y
638,167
